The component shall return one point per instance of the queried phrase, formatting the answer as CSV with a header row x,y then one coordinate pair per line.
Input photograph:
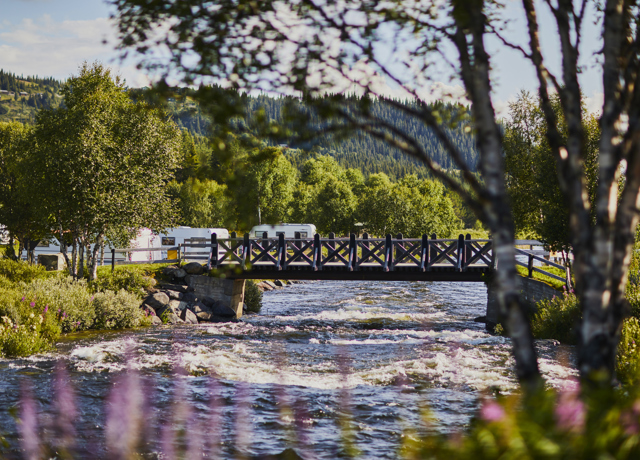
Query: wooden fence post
x,y
353,253
461,252
433,249
388,253
246,251
113,259
468,253
213,255
530,265
424,253
282,253
317,253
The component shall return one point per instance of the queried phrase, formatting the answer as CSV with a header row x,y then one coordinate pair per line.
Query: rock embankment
x,y
174,302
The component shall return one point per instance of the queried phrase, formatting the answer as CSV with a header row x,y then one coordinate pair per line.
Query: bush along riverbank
x,y
37,307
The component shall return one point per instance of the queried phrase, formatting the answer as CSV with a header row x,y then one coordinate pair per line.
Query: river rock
x,y
174,295
169,271
157,300
172,318
174,287
179,274
193,268
155,321
264,286
208,301
223,311
177,306
269,283
278,283
188,316
189,297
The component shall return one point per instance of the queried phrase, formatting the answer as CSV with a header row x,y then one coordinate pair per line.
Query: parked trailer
x,y
288,230
145,238
177,236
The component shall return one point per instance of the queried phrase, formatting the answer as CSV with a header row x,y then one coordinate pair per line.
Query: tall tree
x,y
320,47
104,162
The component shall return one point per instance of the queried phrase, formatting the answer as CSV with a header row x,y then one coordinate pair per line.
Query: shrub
x,y
17,270
252,296
22,339
71,301
557,318
118,310
132,279
628,362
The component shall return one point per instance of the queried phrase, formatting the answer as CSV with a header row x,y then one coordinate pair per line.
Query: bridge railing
x,y
351,254
531,258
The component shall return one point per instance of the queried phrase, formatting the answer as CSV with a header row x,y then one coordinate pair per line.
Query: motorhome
x,y
178,235
145,238
288,230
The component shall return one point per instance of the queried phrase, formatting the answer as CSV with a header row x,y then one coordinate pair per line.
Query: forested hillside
x,y
20,96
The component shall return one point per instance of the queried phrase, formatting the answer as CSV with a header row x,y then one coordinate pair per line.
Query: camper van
x,y
145,238
176,236
288,230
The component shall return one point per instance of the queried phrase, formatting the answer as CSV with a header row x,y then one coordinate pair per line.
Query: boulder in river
x,y
179,274
157,300
178,305
155,321
174,295
278,283
188,316
193,268
189,297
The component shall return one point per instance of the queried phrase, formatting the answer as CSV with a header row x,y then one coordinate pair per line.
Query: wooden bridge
x,y
384,259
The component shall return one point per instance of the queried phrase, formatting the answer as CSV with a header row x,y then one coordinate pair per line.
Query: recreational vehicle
x,y
177,236
145,238
288,230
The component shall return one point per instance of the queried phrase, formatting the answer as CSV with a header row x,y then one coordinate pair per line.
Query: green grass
x,y
554,283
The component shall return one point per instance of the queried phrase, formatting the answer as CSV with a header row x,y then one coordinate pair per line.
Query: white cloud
x,y
46,47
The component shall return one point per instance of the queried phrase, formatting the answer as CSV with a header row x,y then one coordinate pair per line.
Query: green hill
x,y
21,97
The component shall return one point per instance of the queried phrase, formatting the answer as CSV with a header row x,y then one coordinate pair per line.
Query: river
x,y
377,352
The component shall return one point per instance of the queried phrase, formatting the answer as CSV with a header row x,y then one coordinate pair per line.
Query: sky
x,y
51,38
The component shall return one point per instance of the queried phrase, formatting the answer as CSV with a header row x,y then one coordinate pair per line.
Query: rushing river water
x,y
377,351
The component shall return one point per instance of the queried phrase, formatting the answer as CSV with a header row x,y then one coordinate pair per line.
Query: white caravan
x,y
145,238
288,230
176,236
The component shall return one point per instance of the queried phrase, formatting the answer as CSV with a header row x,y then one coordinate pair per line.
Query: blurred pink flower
x,y
46,308
32,304
570,411
491,411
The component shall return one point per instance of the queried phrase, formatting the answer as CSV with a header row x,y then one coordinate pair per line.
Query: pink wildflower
x,y
570,411
46,308
22,300
491,411
32,304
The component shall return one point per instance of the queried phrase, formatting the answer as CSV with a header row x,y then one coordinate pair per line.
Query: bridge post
x,y
388,253
113,259
530,265
282,253
317,253
213,255
468,249
433,250
353,252
424,253
246,251
365,238
461,252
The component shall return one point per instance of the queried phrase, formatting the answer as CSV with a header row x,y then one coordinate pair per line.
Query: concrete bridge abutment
x,y
229,292
531,292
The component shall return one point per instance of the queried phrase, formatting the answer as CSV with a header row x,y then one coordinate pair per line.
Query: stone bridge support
x,y
531,291
228,292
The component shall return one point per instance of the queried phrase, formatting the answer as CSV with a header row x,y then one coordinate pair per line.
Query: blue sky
x,y
53,37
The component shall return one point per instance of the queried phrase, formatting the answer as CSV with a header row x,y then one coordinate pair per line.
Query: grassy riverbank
x,y
37,306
